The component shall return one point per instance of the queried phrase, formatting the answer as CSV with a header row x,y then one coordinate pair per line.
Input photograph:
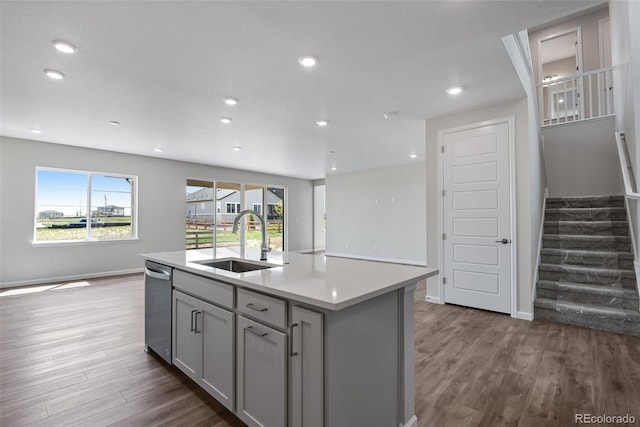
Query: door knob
x,y
504,241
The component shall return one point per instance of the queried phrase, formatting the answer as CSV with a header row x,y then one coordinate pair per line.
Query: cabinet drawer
x,y
206,289
262,307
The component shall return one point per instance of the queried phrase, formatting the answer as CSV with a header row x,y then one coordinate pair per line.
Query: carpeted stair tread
x,y
609,319
619,228
589,289
595,270
578,241
585,257
585,201
594,310
586,214
604,254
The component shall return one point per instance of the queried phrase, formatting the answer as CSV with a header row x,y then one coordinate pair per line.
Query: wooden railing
x,y
575,98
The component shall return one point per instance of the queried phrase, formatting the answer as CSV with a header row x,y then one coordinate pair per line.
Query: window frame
x,y
236,205
87,239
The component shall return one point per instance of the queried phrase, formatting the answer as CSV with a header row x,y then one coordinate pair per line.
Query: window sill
x,y
83,242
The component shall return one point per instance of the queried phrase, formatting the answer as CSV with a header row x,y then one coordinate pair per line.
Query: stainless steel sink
x,y
235,264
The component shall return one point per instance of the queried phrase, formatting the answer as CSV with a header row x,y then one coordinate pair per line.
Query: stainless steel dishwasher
x,y
157,309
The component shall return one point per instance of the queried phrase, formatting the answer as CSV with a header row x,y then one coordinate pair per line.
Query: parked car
x,y
83,223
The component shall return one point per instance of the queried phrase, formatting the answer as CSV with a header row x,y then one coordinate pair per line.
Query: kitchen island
x,y
309,341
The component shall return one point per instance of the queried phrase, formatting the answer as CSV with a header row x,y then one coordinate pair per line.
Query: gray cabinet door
x,y
217,374
261,381
185,341
306,367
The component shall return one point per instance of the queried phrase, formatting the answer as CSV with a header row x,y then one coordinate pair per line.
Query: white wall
x,y
378,214
161,200
529,191
625,56
582,159
589,25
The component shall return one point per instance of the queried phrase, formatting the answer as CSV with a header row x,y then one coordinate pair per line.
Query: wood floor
x,y
72,354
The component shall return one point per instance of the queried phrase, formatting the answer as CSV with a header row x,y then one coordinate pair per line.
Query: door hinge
x,y
444,236
442,149
443,193
444,280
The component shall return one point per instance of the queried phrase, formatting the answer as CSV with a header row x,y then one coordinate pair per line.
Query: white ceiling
x,y
161,69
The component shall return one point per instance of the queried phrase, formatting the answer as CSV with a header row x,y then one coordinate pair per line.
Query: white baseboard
x,y
539,254
304,251
434,300
413,422
68,278
420,263
523,315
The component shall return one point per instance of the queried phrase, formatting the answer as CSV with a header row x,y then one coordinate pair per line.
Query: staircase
x,y
586,274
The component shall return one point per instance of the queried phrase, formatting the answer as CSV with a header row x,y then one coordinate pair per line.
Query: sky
x,y
66,192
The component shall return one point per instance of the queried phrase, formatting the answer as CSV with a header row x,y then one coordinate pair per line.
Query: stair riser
x,y
588,278
587,260
587,245
584,298
626,327
586,203
586,215
586,229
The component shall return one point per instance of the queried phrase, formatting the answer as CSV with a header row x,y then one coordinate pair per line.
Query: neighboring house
x,y
108,210
49,214
200,203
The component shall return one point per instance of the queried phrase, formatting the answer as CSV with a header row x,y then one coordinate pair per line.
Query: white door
x,y
477,218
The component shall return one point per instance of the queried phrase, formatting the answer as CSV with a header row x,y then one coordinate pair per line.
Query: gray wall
x,y
529,192
378,214
625,56
161,208
582,159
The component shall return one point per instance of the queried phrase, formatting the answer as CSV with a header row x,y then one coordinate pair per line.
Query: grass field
x,y
44,234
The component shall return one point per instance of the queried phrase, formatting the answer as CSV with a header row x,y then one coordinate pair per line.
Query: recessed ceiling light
x,y
413,156
114,123
322,122
237,148
64,46
158,150
225,120
333,168
36,131
390,115
230,101
454,90
308,60
53,74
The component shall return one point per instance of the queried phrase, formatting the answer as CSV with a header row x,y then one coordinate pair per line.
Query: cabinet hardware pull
x,y
256,308
258,334
291,352
193,329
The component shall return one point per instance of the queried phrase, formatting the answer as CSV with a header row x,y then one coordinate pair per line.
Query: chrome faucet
x,y
265,248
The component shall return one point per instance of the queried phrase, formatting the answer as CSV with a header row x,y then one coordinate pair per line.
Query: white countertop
x,y
322,281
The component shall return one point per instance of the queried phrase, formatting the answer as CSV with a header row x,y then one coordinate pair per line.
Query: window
x,y
233,208
206,229
78,206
